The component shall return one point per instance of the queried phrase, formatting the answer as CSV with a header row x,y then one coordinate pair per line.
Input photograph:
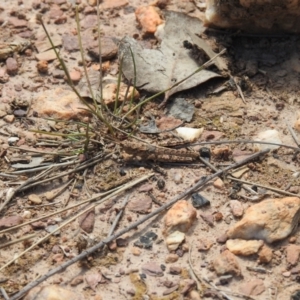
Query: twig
x,y
292,132
193,274
245,142
26,237
75,217
32,170
4,293
62,210
118,217
239,89
265,187
79,168
22,186
89,251
230,177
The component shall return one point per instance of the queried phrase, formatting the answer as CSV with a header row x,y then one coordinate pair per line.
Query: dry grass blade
x,y
131,184
133,225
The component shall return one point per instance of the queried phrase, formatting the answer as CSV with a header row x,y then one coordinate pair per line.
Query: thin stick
x,y
89,251
265,187
23,185
232,178
44,167
292,132
79,168
4,293
245,142
26,237
193,274
62,210
118,217
72,219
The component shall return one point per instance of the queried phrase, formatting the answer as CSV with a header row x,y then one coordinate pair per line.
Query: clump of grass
x,y
113,119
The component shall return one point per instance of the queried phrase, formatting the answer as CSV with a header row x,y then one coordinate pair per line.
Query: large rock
x,y
179,217
254,16
270,220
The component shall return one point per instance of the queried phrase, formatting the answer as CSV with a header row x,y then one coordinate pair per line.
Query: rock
x,y
270,220
87,221
292,254
35,199
226,263
297,125
265,255
75,76
136,251
171,258
165,122
219,184
222,153
17,23
199,201
152,269
142,205
189,134
244,248
92,2
11,66
55,12
11,221
179,217
174,239
109,49
59,104
42,66
254,287
110,93
208,218
222,238
253,16
70,42
77,280
9,118
271,136
52,292
179,108
46,55
236,208
146,240
204,245
149,18
239,155
175,270
286,274
113,4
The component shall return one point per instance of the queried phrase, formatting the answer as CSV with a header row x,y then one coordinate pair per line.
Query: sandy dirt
x,y
267,68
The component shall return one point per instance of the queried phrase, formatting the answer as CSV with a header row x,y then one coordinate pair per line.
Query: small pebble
x,y
35,199
42,66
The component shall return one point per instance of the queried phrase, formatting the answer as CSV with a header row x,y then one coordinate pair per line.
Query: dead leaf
x,y
158,69
93,280
87,220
